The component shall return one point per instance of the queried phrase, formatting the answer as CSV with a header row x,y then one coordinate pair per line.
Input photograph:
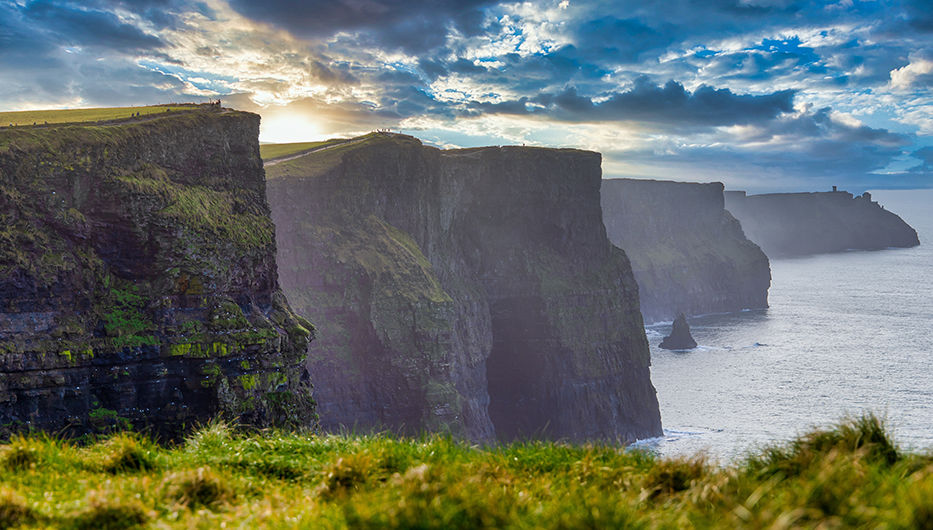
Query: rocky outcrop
x,y
800,224
680,338
138,282
689,255
472,291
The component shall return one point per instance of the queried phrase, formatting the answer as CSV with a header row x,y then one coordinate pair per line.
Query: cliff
x,y
472,291
138,281
689,255
799,224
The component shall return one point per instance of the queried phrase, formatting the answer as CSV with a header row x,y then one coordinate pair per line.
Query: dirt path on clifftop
x,y
274,161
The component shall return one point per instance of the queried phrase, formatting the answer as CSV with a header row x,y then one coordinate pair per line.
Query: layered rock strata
x,y
800,224
472,291
688,253
138,282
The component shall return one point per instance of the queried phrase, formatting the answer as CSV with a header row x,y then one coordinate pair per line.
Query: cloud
x,y
925,167
411,25
70,24
918,72
729,89
669,105
807,150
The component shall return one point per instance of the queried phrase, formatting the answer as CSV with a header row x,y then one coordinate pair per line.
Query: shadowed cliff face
x,y
799,224
472,291
689,254
138,279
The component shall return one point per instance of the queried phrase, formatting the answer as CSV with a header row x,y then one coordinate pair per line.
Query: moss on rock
x,y
146,245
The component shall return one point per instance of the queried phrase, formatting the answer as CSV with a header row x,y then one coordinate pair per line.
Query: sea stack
x,y
680,338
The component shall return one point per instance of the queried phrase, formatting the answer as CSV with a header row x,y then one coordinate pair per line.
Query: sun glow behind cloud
x,y
592,74
284,127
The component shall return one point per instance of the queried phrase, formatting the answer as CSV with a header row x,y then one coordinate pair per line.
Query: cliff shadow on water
x,y
472,291
138,283
689,255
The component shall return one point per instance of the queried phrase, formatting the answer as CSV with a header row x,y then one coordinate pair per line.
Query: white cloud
x,y
904,77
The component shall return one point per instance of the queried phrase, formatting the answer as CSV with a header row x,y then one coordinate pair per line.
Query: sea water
x,y
845,334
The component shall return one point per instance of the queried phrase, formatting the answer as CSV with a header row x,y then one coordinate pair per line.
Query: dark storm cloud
x,y
65,51
21,47
136,85
819,126
633,32
919,15
73,25
586,63
806,150
624,39
412,25
670,104
925,155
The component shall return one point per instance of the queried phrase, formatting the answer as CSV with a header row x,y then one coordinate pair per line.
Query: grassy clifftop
x,y
43,117
849,476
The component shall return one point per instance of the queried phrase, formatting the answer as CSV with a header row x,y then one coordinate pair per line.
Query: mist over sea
x,y
845,333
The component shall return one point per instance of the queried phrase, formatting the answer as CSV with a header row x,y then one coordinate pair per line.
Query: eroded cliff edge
x,y
472,290
138,279
800,224
689,255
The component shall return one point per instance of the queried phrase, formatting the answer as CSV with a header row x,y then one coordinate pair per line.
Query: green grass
x,y
40,117
850,476
327,159
273,151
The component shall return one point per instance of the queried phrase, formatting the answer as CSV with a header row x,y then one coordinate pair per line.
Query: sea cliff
x,y
688,254
799,224
472,291
138,282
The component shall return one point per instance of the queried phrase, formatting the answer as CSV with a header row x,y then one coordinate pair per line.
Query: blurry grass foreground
x,y
852,475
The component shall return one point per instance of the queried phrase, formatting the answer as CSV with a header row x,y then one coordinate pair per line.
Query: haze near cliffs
x,y
688,253
443,281
798,224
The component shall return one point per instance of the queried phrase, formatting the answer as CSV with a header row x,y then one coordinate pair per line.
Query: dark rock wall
x,y
472,291
799,224
689,255
138,280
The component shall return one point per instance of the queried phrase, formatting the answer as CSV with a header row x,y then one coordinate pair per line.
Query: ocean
x,y
845,334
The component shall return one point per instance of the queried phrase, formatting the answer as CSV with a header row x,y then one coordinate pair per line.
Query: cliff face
x,y
138,279
689,255
472,291
798,224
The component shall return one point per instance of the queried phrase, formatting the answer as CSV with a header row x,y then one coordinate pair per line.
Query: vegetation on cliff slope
x,y
274,151
849,476
137,276
42,117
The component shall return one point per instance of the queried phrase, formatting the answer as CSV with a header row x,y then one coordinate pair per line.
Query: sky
x,y
763,95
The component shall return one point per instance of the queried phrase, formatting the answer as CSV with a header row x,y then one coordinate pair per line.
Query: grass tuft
x,y
22,453
852,475
104,512
198,488
211,438
348,473
865,436
669,477
13,509
127,452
